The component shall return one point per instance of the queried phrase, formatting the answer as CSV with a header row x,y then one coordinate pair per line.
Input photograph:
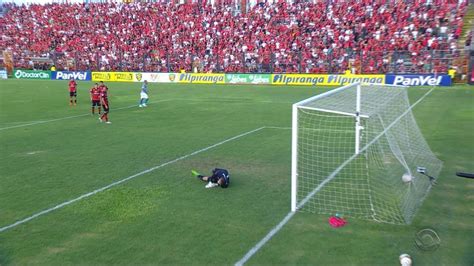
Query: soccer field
x,y
125,194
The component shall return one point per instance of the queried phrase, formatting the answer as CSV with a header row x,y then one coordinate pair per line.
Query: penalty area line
x,y
83,196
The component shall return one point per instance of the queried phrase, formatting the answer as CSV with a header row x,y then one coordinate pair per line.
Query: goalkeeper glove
x,y
196,174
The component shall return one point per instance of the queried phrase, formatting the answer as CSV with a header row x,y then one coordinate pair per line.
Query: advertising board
x,y
325,79
31,74
66,75
202,78
114,76
247,78
156,77
3,74
419,80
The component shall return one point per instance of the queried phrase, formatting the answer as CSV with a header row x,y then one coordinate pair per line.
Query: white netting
x,y
332,178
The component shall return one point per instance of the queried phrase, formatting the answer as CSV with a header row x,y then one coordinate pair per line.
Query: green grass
x,y
167,216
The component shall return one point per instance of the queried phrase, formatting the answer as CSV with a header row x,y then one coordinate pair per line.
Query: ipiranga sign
x,y
203,78
325,79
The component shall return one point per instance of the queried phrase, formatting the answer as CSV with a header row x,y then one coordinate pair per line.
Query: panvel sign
x,y
325,79
76,75
419,80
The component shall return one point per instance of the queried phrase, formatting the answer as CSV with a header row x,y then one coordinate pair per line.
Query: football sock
x,y
146,101
93,110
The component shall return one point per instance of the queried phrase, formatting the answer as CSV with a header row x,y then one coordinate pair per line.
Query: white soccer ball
x,y
405,260
407,178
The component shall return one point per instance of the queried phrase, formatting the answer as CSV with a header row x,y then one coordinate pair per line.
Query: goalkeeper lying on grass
x,y
219,177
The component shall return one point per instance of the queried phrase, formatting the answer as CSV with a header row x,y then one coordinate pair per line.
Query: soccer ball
x,y
407,178
405,260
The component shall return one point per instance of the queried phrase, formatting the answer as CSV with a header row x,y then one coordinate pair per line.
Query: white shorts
x,y
143,95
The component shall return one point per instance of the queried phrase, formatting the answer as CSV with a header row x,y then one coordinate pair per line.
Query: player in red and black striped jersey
x,y
72,92
101,85
95,98
104,101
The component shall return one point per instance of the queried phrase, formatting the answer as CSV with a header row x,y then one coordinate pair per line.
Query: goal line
x,y
291,214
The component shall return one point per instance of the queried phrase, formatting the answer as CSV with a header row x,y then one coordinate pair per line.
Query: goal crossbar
x,y
332,111
331,92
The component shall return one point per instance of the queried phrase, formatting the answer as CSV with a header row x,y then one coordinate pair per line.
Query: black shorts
x,y
95,103
105,108
72,93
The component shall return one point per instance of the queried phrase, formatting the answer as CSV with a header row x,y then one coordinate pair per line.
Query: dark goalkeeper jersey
x,y
218,173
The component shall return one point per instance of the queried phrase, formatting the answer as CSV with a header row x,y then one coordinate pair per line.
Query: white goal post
x,y
357,150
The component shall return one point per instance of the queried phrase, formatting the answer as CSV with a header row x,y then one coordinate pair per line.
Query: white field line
x,y
69,117
290,214
271,127
59,206
38,122
22,122
230,100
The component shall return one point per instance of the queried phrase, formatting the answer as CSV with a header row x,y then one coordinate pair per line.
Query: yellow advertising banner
x,y
124,76
206,78
325,79
114,76
102,76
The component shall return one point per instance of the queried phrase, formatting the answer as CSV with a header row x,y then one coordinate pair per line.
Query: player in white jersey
x,y
144,94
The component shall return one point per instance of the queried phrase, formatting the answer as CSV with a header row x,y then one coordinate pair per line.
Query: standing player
x,y
101,85
104,101
95,98
72,92
144,94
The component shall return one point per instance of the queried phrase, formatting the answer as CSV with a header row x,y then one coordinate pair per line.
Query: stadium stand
x,y
364,36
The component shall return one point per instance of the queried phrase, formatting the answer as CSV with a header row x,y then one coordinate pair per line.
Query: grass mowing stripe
x,y
69,117
38,122
290,214
5,228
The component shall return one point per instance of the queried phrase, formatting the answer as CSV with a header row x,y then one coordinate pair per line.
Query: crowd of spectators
x,y
306,37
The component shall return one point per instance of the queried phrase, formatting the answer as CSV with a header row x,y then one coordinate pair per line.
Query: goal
x,y
357,151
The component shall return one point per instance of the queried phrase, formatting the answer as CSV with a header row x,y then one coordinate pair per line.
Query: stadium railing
x,y
299,61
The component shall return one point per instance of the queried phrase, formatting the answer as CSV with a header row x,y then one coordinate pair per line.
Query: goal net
x,y
357,150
